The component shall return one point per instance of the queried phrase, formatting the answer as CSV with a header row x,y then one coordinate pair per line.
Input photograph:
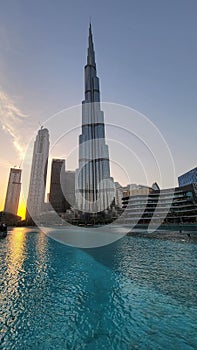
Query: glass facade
x,y
94,191
188,178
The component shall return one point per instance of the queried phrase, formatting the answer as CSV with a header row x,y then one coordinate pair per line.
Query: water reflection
x,y
42,253
15,257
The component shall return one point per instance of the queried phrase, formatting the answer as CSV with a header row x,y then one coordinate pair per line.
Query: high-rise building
x,y
38,176
188,178
56,196
118,194
62,187
94,188
13,191
69,189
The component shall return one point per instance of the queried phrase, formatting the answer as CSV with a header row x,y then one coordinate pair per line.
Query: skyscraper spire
x,y
91,54
93,190
92,93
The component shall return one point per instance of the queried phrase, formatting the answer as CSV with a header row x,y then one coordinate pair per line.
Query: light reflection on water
x,y
134,294
14,259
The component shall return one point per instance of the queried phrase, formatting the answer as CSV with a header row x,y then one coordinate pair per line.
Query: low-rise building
x,y
134,190
174,205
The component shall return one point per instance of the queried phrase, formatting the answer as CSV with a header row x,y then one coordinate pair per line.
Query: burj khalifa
x,y
94,186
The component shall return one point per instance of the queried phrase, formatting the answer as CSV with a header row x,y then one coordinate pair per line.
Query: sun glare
x,y
22,210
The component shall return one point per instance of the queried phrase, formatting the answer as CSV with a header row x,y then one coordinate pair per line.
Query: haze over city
x,y
146,59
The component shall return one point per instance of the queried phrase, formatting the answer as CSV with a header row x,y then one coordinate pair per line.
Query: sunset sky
x,y
146,54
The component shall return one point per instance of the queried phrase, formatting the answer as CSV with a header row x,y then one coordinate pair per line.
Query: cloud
x,y
12,120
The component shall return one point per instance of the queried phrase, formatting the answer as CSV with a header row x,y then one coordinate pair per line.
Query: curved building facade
x,y
169,206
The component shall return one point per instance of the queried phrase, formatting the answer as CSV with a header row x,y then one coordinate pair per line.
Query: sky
x,y
146,54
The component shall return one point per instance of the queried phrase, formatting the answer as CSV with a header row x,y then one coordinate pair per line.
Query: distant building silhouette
x,y
13,191
38,176
62,187
56,195
9,218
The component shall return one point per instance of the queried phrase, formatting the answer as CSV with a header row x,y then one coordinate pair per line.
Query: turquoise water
x,y
136,293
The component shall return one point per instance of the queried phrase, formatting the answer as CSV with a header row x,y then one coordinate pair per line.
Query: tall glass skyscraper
x,y
94,187
38,176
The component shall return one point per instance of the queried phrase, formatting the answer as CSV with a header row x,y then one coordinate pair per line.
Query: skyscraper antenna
x,y
41,126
